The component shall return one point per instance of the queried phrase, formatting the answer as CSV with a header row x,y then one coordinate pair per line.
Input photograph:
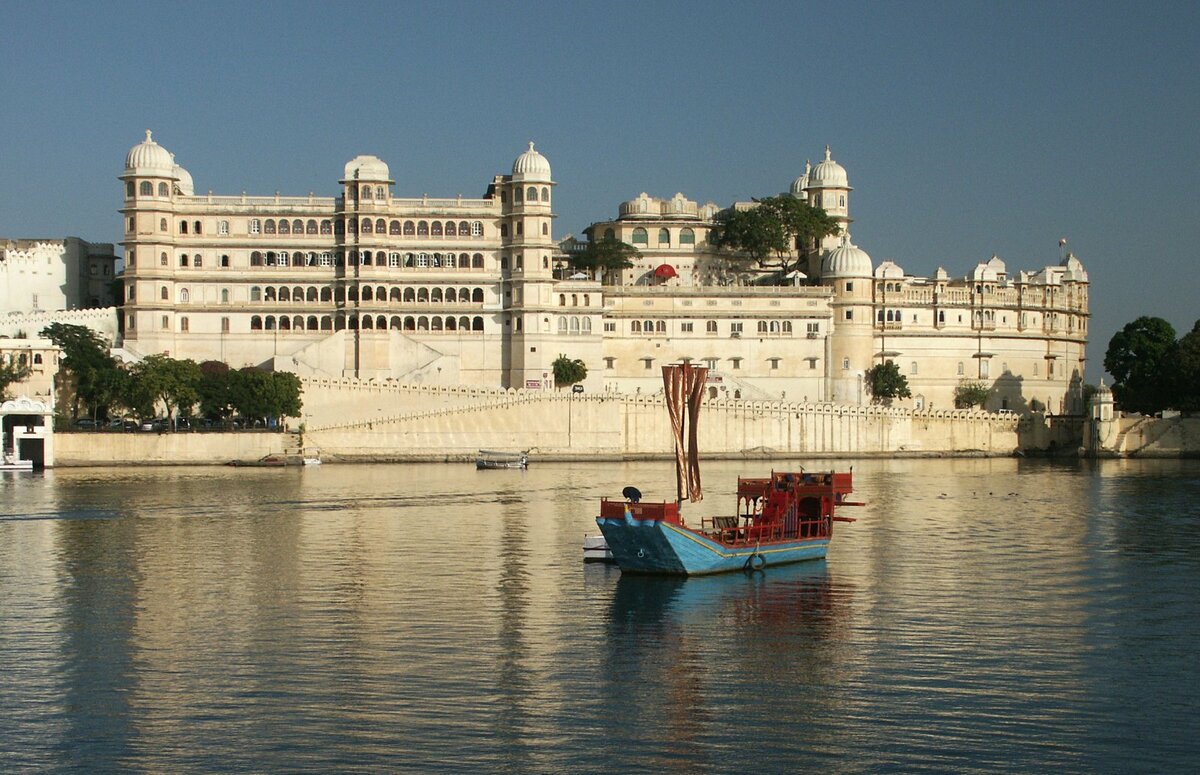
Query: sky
x,y
968,129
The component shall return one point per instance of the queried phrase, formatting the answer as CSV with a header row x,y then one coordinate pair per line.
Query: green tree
x,y
885,382
970,393
265,394
214,390
172,383
86,361
1187,371
777,233
609,254
568,371
1139,358
11,373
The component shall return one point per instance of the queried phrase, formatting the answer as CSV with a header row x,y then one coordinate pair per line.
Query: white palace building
x,y
371,285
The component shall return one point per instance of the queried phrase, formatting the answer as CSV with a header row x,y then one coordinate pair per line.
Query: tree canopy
x,y
87,364
167,381
608,254
568,371
885,382
776,233
1140,358
11,373
970,393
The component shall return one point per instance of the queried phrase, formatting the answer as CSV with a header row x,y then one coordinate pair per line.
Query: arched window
x,y
255,293
574,325
162,293
162,259
298,226
435,324
562,325
451,229
183,227
531,194
449,260
587,325
255,226
435,296
660,326
640,237
366,226
562,299
326,323
269,322
380,226
184,296
256,323
435,229
422,323
477,261
504,230
545,194
311,323
410,323
365,192
545,229
285,294
477,324
285,324
422,229
366,293
326,294
609,234
367,322
379,192
326,227
162,224
146,188
224,295
269,226
477,296
394,227
394,323
687,237
517,195
464,228
269,293
409,228
284,226
422,294
664,237
394,295
310,227
410,294
164,190
183,260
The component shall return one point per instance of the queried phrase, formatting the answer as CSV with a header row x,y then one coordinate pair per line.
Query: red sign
x,y
533,383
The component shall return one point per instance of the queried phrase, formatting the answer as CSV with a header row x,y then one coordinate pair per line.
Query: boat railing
x,y
615,509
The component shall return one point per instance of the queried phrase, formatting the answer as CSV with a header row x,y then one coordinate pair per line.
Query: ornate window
x,y
146,188
640,237
164,190
284,227
269,226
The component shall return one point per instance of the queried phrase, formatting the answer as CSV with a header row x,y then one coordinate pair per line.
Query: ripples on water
x,y
981,616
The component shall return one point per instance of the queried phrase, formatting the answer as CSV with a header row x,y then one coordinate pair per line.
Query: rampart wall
x,y
358,421
126,449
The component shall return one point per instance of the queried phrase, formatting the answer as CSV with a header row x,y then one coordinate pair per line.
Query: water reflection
x,y
982,614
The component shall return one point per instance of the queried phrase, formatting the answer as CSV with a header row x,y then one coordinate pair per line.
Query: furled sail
x,y
683,385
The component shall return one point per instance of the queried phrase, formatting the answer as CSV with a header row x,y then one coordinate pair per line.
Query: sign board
x,y
577,388
533,384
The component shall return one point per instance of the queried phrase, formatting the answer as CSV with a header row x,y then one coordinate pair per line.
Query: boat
x,y
266,461
310,456
783,518
595,549
10,462
488,458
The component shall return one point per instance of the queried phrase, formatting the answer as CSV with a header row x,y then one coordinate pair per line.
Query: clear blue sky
x,y
967,128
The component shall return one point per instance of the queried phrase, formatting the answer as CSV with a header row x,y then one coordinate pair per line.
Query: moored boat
x,y
488,458
784,518
595,549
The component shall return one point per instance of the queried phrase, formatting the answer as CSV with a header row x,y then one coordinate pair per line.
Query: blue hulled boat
x,y
787,517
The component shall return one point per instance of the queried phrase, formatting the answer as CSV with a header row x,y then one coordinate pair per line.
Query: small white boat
x,y
488,458
595,549
11,462
310,456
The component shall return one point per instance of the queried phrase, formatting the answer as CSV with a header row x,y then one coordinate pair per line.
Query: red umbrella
x,y
665,272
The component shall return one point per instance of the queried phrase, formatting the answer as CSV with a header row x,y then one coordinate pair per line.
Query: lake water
x,y
982,615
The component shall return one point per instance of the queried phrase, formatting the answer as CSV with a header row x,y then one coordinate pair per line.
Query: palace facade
x,y
369,284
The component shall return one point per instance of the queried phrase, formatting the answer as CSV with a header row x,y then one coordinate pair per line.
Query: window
x,y
608,363
735,328
635,326
961,369
255,226
686,328
162,224
146,188
223,227
162,293
183,325
649,362
735,363
710,327
845,364
184,296
640,237
849,314
196,228
774,363
224,325
985,367
664,237
913,368
183,227
166,323
687,237
849,287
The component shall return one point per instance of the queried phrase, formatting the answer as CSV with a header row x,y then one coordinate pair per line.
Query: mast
x,y
683,386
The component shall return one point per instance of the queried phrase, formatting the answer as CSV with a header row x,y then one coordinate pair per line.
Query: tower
x,y
850,347
151,180
526,269
828,187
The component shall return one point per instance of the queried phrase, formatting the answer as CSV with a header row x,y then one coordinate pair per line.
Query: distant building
x,y
460,290
39,275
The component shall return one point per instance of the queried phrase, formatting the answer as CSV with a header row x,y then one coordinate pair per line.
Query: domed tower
x,y
366,190
151,180
828,187
527,249
848,269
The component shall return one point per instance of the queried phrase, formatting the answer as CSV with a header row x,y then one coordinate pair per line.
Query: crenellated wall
x,y
353,420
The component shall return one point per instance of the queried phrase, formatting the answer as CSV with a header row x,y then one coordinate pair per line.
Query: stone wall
x,y
1146,437
127,449
386,421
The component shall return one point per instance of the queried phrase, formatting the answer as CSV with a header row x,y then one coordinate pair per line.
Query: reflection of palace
x,y
464,291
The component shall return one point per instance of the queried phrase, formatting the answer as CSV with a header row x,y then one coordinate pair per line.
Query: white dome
x,y
1075,270
889,270
828,174
846,260
531,165
365,167
184,180
150,158
801,183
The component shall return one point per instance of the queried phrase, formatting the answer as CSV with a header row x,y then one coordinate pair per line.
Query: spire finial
x,y
807,166
531,145
827,156
149,139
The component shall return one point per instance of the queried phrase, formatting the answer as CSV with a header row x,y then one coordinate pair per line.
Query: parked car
x,y
85,424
